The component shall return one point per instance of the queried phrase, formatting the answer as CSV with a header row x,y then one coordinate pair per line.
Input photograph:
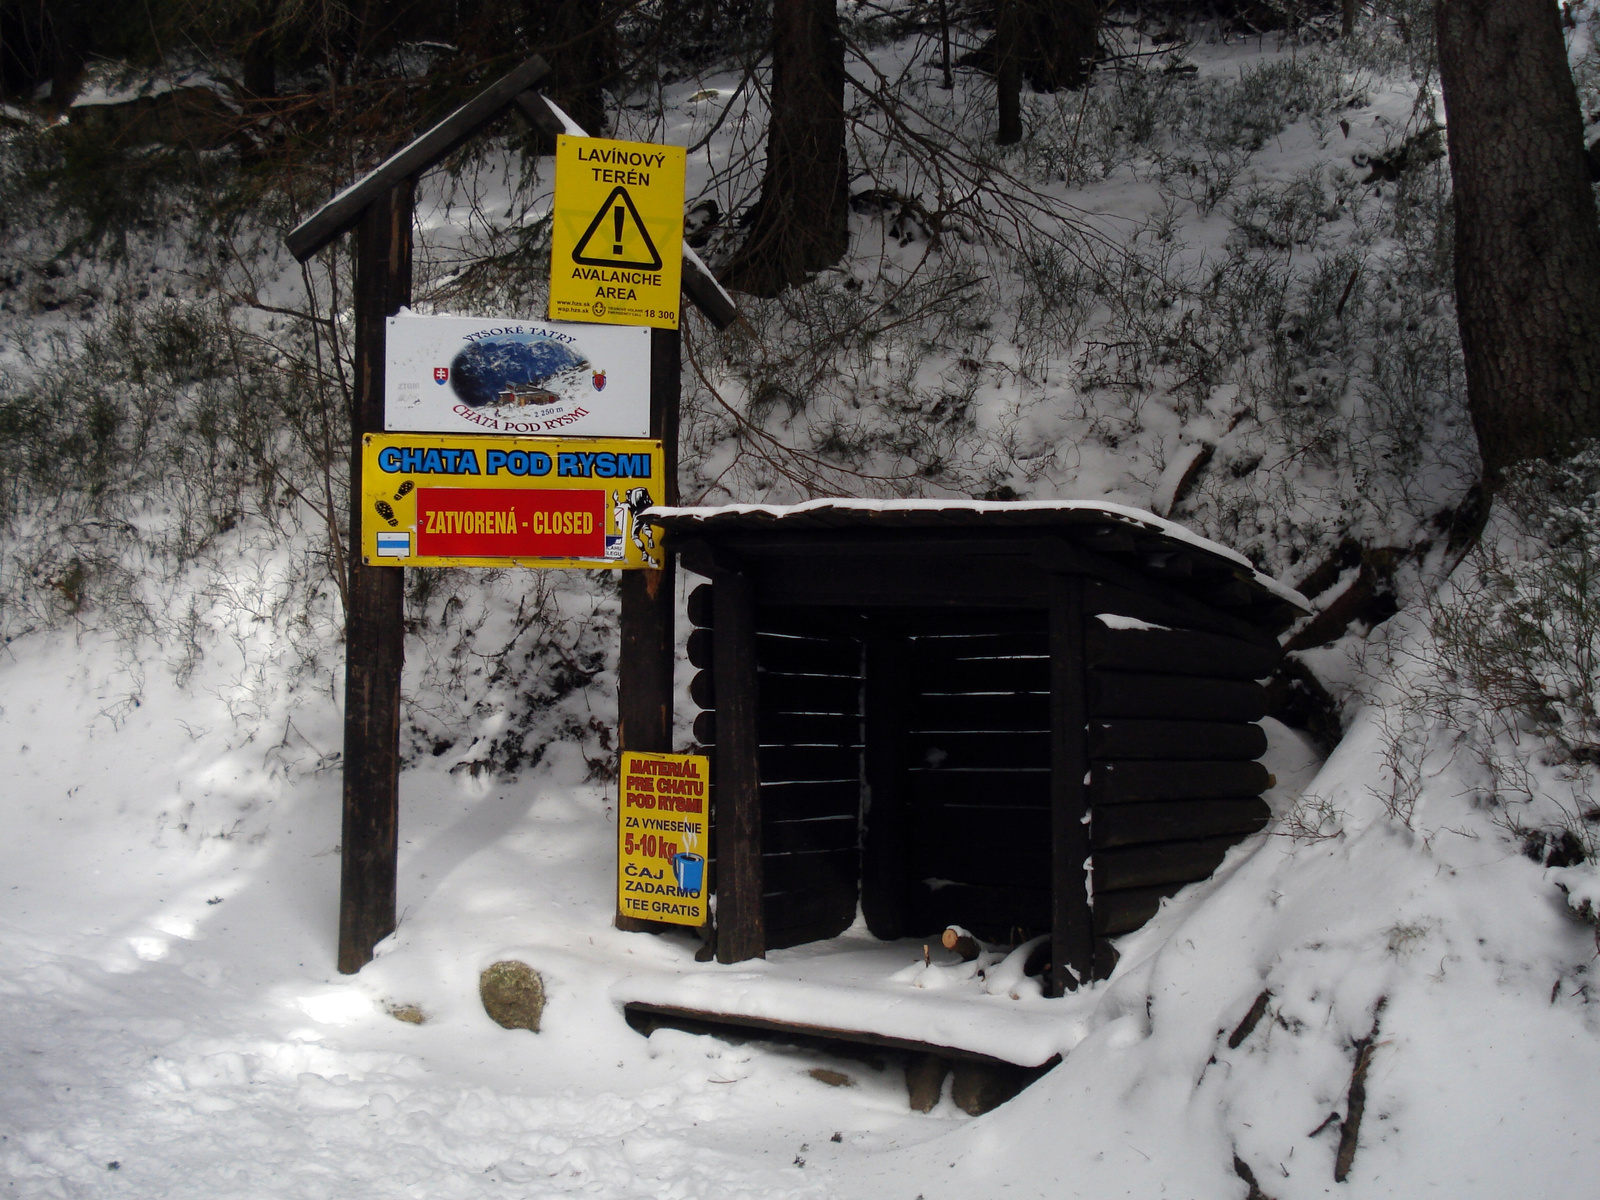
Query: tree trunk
x,y
261,56
1527,240
1065,39
67,22
947,81
1051,42
1008,51
801,222
582,60
578,39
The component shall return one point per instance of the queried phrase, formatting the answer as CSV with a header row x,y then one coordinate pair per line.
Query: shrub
x,y
1516,648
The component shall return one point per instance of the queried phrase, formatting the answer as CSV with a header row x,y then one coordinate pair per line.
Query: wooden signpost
x,y
379,207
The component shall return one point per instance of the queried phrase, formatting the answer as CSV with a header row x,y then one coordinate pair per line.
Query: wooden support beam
x,y
644,683
1071,914
741,932
649,600
345,210
884,849
666,389
1175,697
374,626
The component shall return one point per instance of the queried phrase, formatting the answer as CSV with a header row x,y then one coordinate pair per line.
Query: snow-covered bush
x,y
1519,633
129,446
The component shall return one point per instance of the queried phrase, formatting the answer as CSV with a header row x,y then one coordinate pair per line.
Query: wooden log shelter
x,y
1019,718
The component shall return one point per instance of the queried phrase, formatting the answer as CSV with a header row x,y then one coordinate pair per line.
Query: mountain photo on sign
x,y
516,370
513,375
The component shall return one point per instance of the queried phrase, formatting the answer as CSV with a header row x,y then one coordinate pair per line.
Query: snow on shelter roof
x,y
1154,533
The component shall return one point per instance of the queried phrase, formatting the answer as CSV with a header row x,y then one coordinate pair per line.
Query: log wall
x,y
1172,741
905,759
809,681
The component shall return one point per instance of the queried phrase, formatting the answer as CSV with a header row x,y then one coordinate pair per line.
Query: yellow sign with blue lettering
x,y
663,827
465,501
616,236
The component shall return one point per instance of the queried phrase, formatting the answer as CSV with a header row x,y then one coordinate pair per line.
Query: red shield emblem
x,y
599,381
441,374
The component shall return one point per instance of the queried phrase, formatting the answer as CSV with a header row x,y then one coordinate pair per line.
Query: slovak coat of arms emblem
x,y
441,375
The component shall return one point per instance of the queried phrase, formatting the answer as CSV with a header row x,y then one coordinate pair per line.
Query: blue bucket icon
x,y
690,870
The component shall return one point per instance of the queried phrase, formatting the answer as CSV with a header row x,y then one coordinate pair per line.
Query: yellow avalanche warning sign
x,y
662,836
616,254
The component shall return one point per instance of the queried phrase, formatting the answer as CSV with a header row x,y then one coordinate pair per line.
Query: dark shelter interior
x,y
1021,719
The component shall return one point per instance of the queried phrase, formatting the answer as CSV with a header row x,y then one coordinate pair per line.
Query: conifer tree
x,y
1527,240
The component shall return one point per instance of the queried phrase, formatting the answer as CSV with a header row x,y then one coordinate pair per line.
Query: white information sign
x,y
516,376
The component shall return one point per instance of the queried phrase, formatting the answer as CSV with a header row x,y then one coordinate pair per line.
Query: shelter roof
x,y
1130,538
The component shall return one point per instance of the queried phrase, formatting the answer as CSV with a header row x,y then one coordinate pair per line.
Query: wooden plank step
x,y
639,1013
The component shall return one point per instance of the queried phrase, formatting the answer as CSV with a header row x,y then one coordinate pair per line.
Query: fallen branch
x,y
1350,1130
1243,1171
1251,1019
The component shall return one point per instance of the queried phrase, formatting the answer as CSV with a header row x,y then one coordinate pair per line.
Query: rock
x,y
411,1014
831,1078
513,994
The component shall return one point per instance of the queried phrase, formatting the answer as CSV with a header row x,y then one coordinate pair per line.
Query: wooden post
x,y
1071,911
374,625
644,668
741,924
883,843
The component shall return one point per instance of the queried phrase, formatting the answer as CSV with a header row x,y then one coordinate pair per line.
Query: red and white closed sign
x,y
501,523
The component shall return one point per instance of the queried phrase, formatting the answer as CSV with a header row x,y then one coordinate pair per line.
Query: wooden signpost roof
x,y
513,90
341,213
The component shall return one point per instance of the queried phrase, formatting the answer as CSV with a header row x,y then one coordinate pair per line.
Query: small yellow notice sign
x,y
616,242
661,837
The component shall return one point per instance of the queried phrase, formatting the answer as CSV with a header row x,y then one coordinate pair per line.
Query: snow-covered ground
x,y
172,1022
174,1026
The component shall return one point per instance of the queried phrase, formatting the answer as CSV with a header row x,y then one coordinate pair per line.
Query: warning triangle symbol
x,y
614,237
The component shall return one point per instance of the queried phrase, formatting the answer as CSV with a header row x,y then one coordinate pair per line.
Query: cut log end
x,y
961,943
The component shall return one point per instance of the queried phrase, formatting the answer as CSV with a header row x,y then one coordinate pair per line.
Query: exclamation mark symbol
x,y
616,224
